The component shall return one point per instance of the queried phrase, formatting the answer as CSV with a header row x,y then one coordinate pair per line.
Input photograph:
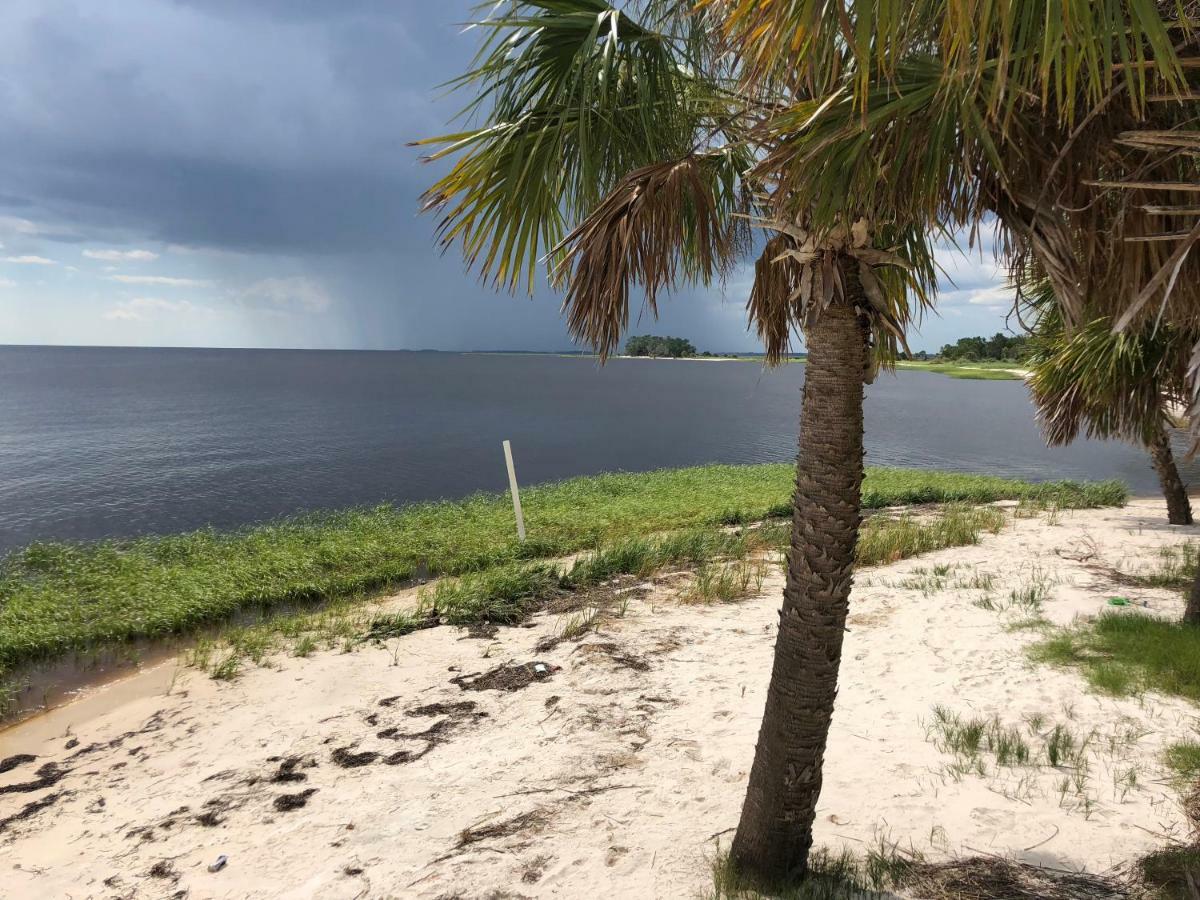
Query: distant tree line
x,y
1003,347
653,345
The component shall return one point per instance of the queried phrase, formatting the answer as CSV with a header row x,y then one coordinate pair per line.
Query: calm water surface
x,y
99,442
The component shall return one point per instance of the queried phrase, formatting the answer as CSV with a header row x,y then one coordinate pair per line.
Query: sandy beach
x,y
445,765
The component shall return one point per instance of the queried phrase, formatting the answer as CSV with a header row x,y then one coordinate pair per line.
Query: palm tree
x,y
631,146
1070,128
1114,385
1066,127
617,143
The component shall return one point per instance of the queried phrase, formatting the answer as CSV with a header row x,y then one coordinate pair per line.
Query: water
x,y
100,442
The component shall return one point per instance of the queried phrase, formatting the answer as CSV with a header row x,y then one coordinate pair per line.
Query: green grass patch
x,y
883,540
980,371
504,594
971,737
1183,758
60,597
1126,653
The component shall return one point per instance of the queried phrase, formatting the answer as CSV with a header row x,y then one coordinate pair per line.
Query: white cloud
x,y
281,295
7,283
996,297
162,280
17,225
142,308
121,255
30,260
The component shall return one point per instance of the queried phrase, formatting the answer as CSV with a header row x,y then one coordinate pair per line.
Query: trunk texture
x,y
1191,613
775,832
1179,510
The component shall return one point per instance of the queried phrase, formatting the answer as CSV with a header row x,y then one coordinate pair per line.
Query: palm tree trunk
x,y
1191,612
775,832
1179,510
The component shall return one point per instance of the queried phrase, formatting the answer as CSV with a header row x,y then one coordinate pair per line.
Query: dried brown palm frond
x,y
661,225
997,878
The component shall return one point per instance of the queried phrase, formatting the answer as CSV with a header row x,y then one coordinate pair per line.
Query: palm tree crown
x,y
618,144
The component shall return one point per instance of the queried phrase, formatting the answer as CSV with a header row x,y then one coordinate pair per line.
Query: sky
x,y
235,173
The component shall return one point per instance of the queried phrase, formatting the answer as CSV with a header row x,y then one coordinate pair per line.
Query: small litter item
x,y
219,864
540,669
1118,601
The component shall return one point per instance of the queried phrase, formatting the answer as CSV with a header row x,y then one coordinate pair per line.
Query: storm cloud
x,y
222,145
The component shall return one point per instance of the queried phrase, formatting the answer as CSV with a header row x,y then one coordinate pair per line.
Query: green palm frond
x,y
1103,194
1107,383
906,155
574,94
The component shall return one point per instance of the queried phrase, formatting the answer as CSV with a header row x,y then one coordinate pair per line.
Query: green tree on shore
x,y
652,345
999,347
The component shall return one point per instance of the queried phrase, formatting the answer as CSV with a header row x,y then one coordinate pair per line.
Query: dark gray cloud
x,y
265,126
273,131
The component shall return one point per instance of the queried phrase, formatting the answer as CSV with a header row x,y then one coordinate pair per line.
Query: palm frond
x,y
800,273
1069,56
574,95
1110,384
663,224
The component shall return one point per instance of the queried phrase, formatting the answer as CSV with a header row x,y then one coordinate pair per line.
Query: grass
x,y
1183,758
1171,871
724,582
1176,567
990,370
59,597
726,564
1056,759
831,876
1123,654
884,540
504,595
969,738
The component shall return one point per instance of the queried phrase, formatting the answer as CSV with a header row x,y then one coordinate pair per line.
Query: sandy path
x,y
621,771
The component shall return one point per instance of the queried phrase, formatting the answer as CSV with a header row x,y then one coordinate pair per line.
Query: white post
x,y
516,494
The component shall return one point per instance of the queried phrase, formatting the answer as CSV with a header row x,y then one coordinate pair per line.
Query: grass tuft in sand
x,y
831,876
885,540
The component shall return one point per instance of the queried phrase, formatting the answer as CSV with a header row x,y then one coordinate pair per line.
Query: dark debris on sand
x,y
288,802
31,809
48,775
506,678
17,759
348,759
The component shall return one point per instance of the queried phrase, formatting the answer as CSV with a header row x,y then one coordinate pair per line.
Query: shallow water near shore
x,y
113,442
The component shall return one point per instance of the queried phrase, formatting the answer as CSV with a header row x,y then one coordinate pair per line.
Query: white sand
x,y
630,778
